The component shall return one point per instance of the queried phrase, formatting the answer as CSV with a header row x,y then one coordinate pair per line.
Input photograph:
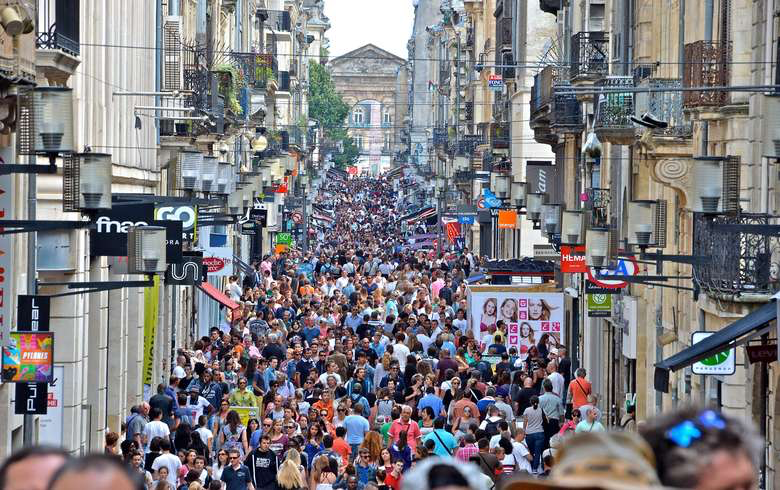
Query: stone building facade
x,y
367,79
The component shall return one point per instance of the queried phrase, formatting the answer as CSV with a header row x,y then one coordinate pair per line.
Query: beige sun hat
x,y
598,461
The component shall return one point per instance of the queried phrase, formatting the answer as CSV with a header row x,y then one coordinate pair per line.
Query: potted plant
x,y
229,79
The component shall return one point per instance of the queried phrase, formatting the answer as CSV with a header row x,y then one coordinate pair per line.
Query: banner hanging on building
x,y
50,424
218,261
543,176
151,310
28,356
530,317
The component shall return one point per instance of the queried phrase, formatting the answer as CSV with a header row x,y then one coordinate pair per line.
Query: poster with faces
x,y
526,321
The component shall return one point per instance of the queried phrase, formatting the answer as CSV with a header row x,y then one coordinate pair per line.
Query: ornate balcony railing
x,y
666,106
614,110
256,69
598,207
565,112
468,144
542,92
739,261
503,166
468,109
589,55
278,20
61,20
439,136
706,65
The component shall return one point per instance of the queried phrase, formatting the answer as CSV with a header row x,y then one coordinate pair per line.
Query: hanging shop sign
x,y
259,216
722,363
188,272
218,261
545,177
496,83
284,238
248,228
30,398
626,266
467,220
599,305
109,238
33,313
507,219
573,259
151,310
50,424
761,353
28,356
188,215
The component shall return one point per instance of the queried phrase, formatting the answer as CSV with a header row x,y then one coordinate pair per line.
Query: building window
x,y
358,116
359,142
387,118
388,141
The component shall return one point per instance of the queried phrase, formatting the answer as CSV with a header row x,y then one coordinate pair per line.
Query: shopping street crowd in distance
x,y
359,372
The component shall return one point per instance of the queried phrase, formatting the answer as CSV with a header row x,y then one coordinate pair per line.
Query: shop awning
x,y
217,295
419,215
721,340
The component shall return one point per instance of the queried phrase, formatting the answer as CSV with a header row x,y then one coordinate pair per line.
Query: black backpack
x,y
491,428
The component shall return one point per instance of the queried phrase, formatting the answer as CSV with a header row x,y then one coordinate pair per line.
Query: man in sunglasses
x,y
236,476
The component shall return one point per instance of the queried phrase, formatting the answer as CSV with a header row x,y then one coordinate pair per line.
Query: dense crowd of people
x,y
354,366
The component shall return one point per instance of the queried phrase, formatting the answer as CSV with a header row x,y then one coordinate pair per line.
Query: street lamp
x,y
533,206
641,224
708,178
572,228
146,250
224,172
208,173
519,191
53,120
502,185
596,246
551,219
94,181
189,167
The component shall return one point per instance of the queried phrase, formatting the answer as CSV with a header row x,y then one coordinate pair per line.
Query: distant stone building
x,y
367,79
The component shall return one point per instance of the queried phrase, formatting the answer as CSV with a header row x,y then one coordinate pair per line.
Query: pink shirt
x,y
412,432
436,287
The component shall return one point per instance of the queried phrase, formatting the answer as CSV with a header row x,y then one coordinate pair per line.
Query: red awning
x,y
217,295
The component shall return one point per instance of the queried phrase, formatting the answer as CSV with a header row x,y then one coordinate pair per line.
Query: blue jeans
x,y
355,448
536,447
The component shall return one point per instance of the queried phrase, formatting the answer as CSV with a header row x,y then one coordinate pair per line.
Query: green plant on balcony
x,y
230,81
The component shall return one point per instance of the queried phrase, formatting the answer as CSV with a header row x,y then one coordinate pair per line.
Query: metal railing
x,y
666,106
439,136
565,111
615,109
278,20
706,65
257,69
739,261
61,20
590,54
598,206
544,83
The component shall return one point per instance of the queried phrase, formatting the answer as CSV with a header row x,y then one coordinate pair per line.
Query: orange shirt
x,y
327,406
393,482
342,448
580,389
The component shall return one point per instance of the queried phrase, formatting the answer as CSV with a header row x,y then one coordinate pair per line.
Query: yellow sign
x,y
151,310
246,413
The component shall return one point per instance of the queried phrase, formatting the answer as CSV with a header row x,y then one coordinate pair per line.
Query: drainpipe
x,y
768,38
681,39
705,125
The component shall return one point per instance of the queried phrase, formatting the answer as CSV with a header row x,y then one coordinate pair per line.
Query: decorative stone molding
x,y
676,173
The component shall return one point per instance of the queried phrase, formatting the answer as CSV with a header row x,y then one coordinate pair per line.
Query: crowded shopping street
x,y
389,244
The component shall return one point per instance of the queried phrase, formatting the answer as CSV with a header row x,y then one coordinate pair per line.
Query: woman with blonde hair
x,y
291,474
373,444
323,475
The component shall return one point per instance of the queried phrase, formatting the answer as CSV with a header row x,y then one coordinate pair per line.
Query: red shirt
x,y
412,432
342,448
393,482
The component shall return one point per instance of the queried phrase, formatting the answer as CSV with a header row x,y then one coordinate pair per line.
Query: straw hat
x,y
597,461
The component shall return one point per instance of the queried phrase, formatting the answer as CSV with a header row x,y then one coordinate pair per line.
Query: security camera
x,y
571,292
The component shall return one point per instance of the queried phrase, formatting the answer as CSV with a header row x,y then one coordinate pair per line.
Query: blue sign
x,y
491,201
466,220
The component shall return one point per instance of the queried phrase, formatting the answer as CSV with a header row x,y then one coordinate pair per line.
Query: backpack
x,y
492,428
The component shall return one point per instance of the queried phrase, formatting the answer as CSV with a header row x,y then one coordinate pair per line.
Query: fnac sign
x,y
573,259
626,266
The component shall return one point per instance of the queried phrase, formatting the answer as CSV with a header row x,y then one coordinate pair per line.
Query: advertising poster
x,y
599,305
151,310
28,356
531,318
218,261
246,413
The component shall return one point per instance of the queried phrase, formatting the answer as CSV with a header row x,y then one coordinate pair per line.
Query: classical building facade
x,y
367,79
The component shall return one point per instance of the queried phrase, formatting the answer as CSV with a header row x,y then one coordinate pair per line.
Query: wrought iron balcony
x,y
278,20
589,55
542,91
284,81
740,261
565,112
500,136
468,144
502,166
598,207
706,65
439,136
468,109
666,106
257,69
61,20
614,110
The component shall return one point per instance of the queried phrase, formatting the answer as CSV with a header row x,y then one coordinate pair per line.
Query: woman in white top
x,y
219,465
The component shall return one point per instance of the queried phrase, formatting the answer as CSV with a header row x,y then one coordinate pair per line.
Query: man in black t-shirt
x,y
237,476
263,465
